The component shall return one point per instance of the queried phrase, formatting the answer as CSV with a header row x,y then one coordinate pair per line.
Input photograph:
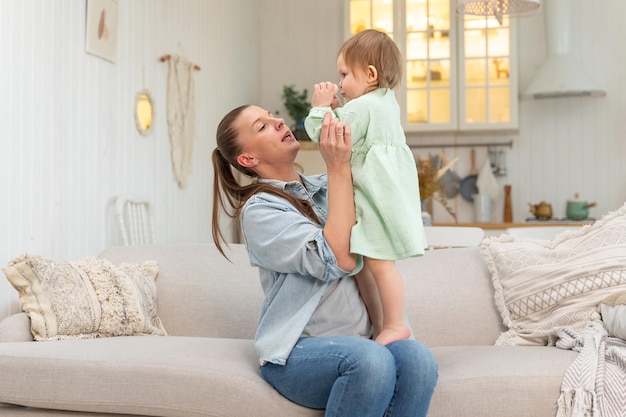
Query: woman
x,y
314,332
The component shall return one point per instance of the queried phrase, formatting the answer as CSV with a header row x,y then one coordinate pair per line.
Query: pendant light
x,y
498,8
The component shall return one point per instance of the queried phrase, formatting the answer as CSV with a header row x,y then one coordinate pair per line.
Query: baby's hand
x,y
324,94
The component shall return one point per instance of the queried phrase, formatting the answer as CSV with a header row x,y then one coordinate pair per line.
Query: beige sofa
x,y
207,365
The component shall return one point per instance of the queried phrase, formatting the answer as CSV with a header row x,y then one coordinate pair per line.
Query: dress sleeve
x,y
313,122
358,118
354,113
281,239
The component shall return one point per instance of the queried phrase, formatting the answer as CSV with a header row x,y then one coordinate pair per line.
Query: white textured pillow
x,y
87,298
613,310
540,284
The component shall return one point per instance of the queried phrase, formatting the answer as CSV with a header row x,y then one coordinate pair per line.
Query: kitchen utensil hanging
x,y
468,184
497,158
450,180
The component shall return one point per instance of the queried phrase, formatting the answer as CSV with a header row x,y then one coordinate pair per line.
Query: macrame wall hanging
x,y
181,114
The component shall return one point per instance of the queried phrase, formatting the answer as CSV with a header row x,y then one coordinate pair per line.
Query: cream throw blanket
x,y
181,114
594,385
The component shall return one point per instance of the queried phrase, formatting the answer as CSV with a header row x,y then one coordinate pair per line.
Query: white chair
x,y
537,232
453,237
134,216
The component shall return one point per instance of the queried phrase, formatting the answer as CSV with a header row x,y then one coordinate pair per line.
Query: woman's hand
x,y
336,148
335,142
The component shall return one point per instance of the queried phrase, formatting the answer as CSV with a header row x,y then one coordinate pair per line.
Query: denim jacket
x,y
295,263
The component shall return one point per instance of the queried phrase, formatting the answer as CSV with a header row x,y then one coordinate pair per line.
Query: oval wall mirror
x,y
144,112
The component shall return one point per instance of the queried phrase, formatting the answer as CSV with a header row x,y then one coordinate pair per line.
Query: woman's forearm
x,y
341,216
336,149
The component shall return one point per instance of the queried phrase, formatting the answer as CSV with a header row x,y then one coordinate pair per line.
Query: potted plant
x,y
298,106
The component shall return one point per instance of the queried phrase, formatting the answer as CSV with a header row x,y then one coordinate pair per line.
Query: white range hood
x,y
561,75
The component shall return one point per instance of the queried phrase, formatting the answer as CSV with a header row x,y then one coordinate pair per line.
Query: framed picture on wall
x,y
101,29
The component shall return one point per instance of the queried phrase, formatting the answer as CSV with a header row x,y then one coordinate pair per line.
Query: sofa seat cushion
x,y
145,375
186,376
8,410
503,381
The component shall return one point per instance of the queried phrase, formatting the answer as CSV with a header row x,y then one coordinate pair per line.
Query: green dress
x,y
386,190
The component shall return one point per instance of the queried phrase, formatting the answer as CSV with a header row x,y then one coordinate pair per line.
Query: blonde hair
x,y
372,47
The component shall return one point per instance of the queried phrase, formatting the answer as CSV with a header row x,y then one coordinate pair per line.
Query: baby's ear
x,y
372,74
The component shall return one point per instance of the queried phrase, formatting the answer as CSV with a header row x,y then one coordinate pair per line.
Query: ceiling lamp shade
x,y
498,8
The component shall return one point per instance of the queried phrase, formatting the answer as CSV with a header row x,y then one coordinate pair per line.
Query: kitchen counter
x,y
496,229
490,226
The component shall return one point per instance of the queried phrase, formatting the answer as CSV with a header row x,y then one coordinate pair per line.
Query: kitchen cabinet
x,y
461,71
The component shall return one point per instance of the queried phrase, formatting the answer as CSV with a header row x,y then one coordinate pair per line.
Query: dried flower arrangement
x,y
429,173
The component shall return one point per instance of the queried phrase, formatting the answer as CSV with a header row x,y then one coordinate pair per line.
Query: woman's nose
x,y
278,122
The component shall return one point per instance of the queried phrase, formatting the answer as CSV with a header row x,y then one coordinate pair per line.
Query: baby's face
x,y
353,83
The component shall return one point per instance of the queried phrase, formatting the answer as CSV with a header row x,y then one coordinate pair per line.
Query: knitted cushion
x,y
540,284
86,298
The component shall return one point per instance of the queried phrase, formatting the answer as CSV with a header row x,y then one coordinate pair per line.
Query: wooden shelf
x,y
307,145
490,226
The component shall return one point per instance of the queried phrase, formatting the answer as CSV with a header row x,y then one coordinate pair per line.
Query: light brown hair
x,y
228,194
372,47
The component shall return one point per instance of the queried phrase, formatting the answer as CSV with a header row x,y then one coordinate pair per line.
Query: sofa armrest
x,y
16,328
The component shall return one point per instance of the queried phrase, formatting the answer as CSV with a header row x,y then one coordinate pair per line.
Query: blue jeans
x,y
357,377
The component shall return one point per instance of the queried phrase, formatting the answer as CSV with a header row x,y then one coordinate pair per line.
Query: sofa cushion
x,y
613,310
156,376
86,298
201,293
191,376
540,284
8,410
449,298
502,381
15,328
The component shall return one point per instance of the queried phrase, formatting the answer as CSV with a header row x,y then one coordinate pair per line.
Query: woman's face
x,y
353,83
265,139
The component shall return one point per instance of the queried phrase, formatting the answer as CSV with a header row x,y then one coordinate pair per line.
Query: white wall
x,y
299,45
68,142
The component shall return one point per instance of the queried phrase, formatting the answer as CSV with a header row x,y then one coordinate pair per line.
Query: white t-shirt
x,y
340,312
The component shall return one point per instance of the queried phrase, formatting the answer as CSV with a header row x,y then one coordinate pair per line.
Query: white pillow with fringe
x,y
540,284
87,298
